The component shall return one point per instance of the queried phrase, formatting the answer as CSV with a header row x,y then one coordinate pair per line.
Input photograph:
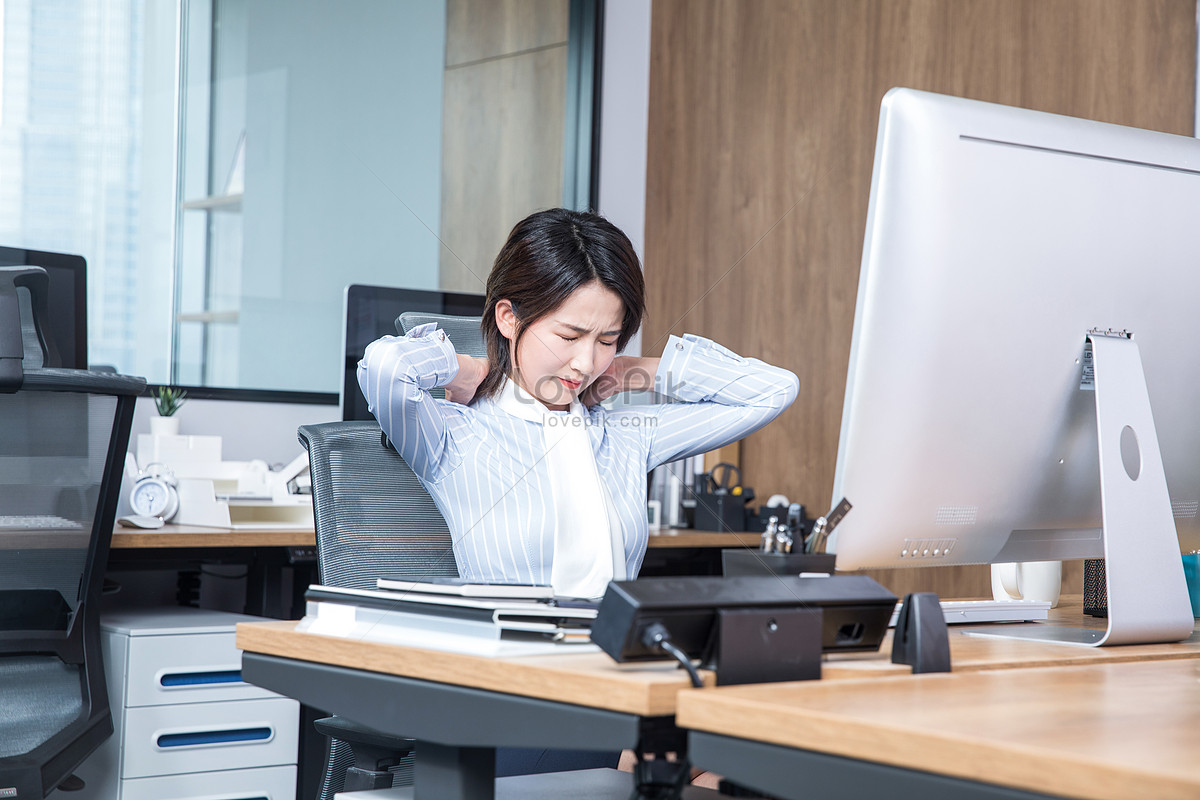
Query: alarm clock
x,y
154,494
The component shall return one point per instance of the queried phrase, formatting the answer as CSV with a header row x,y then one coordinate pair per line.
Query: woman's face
x,y
564,351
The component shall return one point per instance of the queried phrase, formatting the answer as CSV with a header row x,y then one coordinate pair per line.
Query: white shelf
x,y
225,202
208,317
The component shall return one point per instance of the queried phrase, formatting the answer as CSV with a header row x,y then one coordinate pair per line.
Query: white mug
x,y
1028,580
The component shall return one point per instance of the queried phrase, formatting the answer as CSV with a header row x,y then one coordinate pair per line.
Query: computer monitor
x,y
67,302
997,238
370,312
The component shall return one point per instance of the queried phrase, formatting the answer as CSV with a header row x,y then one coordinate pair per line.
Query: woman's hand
x,y
624,374
471,372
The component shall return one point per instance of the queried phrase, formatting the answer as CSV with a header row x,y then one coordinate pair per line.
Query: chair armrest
x,y
373,752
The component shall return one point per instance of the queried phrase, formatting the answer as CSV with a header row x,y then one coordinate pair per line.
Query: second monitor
x,y
370,312
1006,249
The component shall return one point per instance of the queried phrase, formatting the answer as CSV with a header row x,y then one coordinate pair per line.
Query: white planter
x,y
164,426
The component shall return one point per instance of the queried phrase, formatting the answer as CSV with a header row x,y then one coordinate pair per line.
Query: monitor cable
x,y
656,637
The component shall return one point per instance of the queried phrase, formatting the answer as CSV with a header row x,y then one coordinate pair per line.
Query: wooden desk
x,y
465,704
588,679
459,708
973,653
1106,730
675,538
185,536
268,554
179,536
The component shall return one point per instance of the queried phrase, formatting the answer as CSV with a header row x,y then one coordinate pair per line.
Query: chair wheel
x,y
71,783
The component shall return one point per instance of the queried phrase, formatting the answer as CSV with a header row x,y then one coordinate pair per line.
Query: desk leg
x,y
443,772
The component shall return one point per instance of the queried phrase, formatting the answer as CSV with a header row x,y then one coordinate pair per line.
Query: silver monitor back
x,y
996,239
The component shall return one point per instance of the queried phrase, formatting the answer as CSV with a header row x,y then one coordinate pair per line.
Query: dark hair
x,y
548,255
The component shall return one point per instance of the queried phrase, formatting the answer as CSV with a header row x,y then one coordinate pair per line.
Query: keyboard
x,y
37,522
974,611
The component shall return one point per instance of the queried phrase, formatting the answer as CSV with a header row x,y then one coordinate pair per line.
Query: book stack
x,y
473,618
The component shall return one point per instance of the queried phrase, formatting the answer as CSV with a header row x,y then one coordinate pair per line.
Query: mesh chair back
x,y
373,517
63,437
463,331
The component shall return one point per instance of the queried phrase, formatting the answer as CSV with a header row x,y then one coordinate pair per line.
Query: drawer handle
x,y
201,678
213,737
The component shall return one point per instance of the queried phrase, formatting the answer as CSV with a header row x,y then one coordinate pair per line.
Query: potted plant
x,y
167,399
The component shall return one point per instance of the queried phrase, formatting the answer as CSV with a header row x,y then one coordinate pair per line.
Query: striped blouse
x,y
485,468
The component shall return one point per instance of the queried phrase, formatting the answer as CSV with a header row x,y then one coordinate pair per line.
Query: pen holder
x,y
720,512
1095,590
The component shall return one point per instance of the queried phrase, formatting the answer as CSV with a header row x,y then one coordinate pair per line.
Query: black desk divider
x,y
921,639
746,628
767,645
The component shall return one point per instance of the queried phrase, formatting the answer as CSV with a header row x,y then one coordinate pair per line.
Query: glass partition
x,y
324,143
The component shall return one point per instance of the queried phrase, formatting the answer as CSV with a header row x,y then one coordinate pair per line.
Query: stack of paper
x,y
457,621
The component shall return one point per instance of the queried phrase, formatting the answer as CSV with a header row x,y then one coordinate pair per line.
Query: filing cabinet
x,y
185,724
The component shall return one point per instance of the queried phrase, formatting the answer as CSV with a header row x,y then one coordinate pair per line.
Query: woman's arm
x,y
396,374
624,374
724,397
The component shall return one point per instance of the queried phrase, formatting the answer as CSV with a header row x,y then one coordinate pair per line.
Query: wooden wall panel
x,y
504,100
762,127
497,28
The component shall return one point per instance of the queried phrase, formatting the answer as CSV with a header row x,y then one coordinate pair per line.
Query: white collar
x,y
521,404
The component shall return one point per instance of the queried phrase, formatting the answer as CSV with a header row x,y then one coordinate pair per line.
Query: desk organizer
x,y
242,495
754,562
185,725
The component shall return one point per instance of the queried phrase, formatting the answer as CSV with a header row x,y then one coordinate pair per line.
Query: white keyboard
x,y
37,522
959,611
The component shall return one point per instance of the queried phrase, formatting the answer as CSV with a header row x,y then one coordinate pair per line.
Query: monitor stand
x,y
1147,592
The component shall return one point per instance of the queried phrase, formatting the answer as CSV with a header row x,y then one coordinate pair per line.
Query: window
x,y
227,167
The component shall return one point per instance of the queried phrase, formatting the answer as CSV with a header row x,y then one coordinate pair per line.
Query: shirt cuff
x,y
681,358
438,360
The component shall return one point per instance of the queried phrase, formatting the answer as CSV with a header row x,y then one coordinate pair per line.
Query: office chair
x,y
374,518
62,449
463,332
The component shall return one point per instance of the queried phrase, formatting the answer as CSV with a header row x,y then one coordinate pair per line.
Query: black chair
x,y
373,518
63,437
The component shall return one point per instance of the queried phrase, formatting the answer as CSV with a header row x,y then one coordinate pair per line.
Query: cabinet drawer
x,y
269,783
204,737
189,668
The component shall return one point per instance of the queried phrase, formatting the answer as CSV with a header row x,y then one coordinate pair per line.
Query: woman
x,y
537,481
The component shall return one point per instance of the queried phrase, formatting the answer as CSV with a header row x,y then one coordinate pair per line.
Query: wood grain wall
x,y
504,97
762,127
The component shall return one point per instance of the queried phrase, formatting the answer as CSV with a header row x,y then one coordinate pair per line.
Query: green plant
x,y
168,399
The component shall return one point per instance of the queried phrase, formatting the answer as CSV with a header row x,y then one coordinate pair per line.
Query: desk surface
x,y
588,679
649,688
179,536
1112,730
972,653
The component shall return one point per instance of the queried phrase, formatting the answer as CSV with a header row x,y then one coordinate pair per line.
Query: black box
x,y
736,562
720,512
